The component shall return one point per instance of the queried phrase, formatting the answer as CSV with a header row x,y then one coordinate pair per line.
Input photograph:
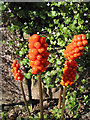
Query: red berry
x,y
79,43
45,45
37,45
41,50
85,42
42,40
13,65
17,65
40,67
79,37
35,70
81,48
39,57
35,38
31,63
76,50
31,57
83,37
14,61
34,51
37,62
30,45
75,37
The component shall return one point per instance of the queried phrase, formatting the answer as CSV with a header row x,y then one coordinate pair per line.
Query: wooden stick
x,y
59,102
41,95
24,97
64,92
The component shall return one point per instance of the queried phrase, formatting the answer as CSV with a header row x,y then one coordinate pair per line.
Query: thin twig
x,y
24,97
59,102
64,92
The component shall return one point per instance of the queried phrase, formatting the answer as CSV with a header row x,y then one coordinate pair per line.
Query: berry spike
x,y
69,73
38,54
16,71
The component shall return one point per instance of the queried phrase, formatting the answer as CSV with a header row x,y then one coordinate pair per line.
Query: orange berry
x,y
79,43
34,51
17,65
70,83
66,84
42,40
37,45
37,62
15,68
35,36
15,71
31,63
18,78
32,39
30,45
15,77
79,38
29,39
71,57
19,71
62,83
81,48
34,70
45,45
14,61
41,50
31,57
75,55
76,50
39,57
13,65
83,37
75,37
85,42
40,67
74,45
78,54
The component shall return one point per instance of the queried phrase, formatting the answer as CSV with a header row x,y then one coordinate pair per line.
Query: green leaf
x,y
83,81
28,76
80,68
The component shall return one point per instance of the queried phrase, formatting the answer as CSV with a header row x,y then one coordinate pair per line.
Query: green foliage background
x,y
58,22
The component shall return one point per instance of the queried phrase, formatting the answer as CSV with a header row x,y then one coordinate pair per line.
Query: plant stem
x,y
24,97
59,102
64,92
41,95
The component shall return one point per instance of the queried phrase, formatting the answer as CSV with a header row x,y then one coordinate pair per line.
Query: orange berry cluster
x,y
38,54
16,71
75,49
69,73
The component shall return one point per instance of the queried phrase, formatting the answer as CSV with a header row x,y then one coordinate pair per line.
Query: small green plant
x,y
56,113
4,115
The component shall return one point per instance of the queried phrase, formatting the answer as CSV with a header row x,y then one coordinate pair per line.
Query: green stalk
x,y
41,95
64,92
24,97
59,102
